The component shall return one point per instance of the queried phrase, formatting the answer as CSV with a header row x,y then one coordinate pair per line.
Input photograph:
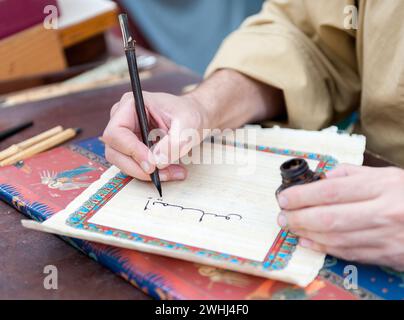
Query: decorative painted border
x,y
89,155
278,255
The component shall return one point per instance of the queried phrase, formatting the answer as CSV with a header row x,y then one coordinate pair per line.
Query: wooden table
x,y
25,253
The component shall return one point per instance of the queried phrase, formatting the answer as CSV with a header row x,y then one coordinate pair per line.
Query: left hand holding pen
x,y
357,213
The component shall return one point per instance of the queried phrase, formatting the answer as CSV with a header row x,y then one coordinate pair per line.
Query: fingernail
x,y
282,220
145,166
161,160
306,243
283,201
163,176
178,175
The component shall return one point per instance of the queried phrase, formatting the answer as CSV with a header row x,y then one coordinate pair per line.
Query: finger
x,y
177,143
334,218
126,98
154,111
127,165
359,254
114,109
330,191
120,135
173,172
362,238
124,114
344,170
126,142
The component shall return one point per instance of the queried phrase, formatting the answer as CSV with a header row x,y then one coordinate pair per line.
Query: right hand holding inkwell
x,y
295,172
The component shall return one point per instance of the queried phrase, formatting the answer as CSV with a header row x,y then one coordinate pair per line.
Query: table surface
x,y
25,253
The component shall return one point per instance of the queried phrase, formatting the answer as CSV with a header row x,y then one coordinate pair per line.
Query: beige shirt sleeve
x,y
301,47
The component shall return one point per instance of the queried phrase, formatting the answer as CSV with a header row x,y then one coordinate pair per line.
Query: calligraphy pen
x,y
130,51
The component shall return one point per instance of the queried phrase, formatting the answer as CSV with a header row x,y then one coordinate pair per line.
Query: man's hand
x,y
227,99
357,213
170,114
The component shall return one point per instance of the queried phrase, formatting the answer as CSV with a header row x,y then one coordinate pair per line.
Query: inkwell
x,y
296,172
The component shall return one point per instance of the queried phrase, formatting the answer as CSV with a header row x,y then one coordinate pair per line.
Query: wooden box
x,y
33,51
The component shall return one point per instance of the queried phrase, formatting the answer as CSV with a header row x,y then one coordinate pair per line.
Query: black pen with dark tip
x,y
130,51
14,130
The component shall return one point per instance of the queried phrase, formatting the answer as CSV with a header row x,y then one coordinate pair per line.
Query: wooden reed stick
x,y
41,146
12,150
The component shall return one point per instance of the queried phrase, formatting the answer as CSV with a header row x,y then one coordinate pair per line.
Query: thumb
x,y
176,144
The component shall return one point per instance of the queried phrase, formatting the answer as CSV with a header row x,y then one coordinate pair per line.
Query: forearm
x,y
230,100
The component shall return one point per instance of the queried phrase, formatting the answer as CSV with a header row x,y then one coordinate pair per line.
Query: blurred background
x,y
78,43
189,31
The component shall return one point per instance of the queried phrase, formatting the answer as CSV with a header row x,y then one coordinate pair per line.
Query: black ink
x,y
145,207
203,213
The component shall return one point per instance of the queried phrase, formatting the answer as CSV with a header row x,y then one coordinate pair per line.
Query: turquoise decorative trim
x,y
277,258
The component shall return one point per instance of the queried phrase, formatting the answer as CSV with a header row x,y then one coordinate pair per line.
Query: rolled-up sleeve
x,y
303,50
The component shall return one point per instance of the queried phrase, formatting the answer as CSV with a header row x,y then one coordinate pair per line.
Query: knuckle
x,y
294,220
374,187
127,96
340,169
327,221
334,240
350,255
330,192
135,153
113,109
107,136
